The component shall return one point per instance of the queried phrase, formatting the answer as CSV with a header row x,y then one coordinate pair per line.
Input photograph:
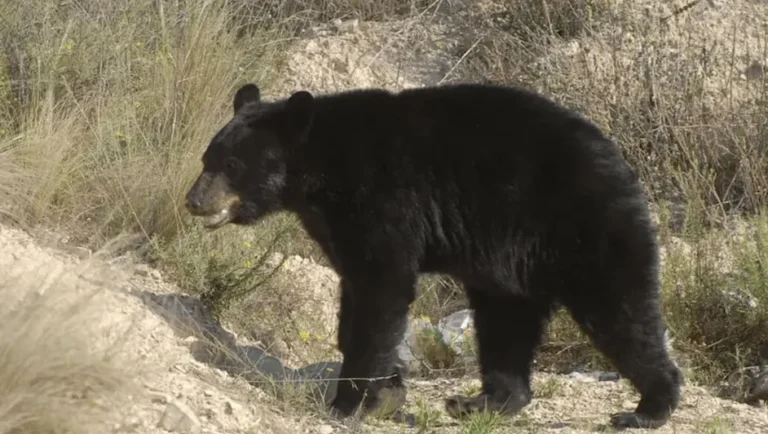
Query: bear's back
x,y
467,138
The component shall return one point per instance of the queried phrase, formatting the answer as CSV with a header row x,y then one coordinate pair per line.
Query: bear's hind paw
x,y
460,407
636,420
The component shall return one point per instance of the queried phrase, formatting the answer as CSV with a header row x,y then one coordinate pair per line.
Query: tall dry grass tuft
x,y
112,104
671,91
719,275
303,13
52,378
11,180
534,20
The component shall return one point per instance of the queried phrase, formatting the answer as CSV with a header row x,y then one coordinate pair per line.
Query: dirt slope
x,y
143,332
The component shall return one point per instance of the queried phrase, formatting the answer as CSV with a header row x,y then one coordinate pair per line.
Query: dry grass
x,y
310,12
721,277
52,379
110,106
671,94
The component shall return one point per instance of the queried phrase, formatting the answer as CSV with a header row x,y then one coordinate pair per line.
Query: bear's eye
x,y
232,165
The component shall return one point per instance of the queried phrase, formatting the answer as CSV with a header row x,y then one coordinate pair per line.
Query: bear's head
x,y
244,167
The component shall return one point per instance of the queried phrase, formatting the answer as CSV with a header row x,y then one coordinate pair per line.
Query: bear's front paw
x,y
343,409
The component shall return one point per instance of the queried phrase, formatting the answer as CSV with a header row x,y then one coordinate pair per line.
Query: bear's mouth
x,y
213,200
217,220
228,210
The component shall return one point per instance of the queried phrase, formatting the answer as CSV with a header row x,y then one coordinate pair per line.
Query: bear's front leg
x,y
346,311
371,333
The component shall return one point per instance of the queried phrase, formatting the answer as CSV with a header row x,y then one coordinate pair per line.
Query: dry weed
x,y
110,115
53,379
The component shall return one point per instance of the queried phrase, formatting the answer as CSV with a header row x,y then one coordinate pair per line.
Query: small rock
x,y
759,389
589,377
740,299
143,270
275,259
180,418
755,71
341,66
451,6
609,376
325,429
208,414
456,329
581,377
158,397
628,405
78,252
259,333
310,47
131,423
347,26
279,348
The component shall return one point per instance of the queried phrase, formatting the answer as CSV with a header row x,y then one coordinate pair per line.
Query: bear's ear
x,y
301,106
248,93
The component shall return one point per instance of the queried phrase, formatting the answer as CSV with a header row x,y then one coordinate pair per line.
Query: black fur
x,y
525,202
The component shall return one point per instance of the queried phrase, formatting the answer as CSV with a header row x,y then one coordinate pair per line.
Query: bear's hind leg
x,y
508,330
625,324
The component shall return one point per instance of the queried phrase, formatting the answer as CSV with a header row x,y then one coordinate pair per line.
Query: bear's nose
x,y
193,204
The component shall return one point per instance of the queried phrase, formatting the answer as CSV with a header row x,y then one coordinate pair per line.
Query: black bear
x,y
528,204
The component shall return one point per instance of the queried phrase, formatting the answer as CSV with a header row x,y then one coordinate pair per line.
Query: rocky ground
x,y
197,377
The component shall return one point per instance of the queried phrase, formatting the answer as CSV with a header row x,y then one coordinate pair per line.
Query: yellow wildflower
x,y
304,336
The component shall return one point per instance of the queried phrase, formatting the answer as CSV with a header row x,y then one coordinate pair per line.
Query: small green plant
x,y
550,387
216,266
716,425
427,417
471,389
483,422
435,354
720,277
